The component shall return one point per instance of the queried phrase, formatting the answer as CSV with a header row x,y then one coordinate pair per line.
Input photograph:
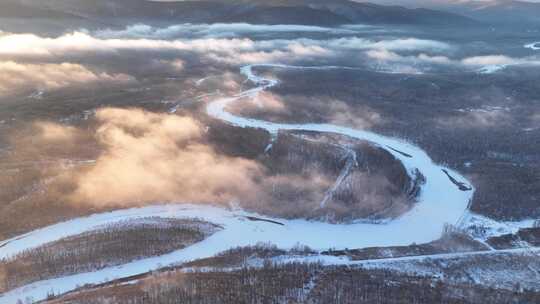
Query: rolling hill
x,y
308,12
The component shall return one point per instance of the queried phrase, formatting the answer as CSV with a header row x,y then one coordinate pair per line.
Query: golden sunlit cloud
x,y
153,157
16,76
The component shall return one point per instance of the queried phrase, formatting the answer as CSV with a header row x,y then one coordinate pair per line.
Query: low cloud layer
x,y
218,30
301,109
152,157
393,62
477,119
405,55
233,51
132,157
32,62
15,76
42,63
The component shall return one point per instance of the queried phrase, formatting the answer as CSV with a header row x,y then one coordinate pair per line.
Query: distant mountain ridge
x,y
488,11
307,12
501,11
11,9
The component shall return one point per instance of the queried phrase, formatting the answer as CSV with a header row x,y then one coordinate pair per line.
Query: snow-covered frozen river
x,y
440,202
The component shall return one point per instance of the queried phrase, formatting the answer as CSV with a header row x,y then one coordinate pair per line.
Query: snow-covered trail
x,y
344,261
349,165
440,202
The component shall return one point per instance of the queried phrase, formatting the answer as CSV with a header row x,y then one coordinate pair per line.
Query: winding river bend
x,y
443,199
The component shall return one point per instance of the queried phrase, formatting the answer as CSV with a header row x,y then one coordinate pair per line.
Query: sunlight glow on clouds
x,y
15,76
50,68
21,45
153,157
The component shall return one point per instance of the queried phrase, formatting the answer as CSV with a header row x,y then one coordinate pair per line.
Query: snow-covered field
x,y
440,202
490,227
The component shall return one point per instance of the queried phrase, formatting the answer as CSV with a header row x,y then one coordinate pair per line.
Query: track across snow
x,y
440,202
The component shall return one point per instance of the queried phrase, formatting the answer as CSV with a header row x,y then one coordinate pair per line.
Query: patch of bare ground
x,y
110,245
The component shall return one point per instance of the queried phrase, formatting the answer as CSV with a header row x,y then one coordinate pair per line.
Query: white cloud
x,y
407,44
216,30
18,45
494,63
14,76
234,50
490,60
153,157
391,61
383,55
434,59
404,55
476,119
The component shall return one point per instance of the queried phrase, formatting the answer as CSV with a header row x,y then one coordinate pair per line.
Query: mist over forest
x,y
246,151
